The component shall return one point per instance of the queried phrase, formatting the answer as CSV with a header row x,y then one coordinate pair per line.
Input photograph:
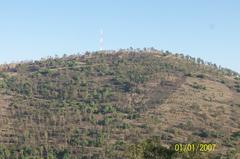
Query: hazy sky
x,y
209,29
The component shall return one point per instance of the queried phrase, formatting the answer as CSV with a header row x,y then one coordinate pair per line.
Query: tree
x,y
149,149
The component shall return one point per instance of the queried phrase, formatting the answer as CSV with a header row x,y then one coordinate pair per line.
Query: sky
x,y
209,29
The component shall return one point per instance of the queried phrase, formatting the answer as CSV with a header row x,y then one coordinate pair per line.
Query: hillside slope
x,y
98,104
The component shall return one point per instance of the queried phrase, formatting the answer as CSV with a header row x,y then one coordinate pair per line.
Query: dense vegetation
x,y
102,104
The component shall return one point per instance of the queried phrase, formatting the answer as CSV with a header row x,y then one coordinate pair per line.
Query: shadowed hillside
x,y
118,104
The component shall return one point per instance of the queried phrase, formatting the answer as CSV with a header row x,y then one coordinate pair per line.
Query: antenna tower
x,y
101,40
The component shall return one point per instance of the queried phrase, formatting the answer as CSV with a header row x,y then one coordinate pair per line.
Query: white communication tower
x,y
101,40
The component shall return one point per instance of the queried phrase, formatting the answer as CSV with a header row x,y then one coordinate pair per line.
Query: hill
x,y
118,104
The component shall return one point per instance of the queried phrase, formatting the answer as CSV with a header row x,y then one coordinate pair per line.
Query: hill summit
x,y
118,104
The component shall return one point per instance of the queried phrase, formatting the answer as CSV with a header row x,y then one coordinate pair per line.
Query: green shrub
x,y
64,154
222,81
237,78
237,87
44,71
188,74
198,86
107,108
3,75
200,76
236,135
